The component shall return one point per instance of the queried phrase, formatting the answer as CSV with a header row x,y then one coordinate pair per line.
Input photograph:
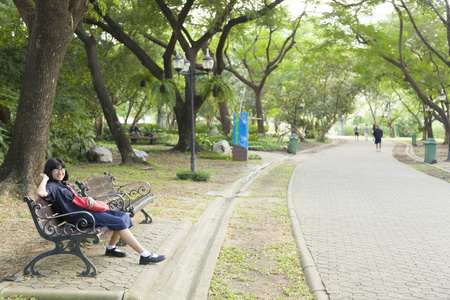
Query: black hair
x,y
55,163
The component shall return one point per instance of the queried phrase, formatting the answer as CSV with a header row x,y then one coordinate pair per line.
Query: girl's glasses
x,y
59,171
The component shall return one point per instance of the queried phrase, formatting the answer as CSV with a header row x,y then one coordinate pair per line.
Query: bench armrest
x,y
120,200
135,189
66,228
49,223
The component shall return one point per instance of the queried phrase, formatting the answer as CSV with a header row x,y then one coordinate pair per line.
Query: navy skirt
x,y
116,220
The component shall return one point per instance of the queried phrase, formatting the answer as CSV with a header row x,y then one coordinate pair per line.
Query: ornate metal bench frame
x,y
67,237
130,197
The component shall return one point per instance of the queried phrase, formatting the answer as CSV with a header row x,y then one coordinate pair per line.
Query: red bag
x,y
99,206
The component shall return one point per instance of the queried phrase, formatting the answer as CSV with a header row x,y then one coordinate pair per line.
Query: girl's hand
x,y
44,176
90,202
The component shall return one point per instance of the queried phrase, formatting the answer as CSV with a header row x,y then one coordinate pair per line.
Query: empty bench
x,y
67,237
130,198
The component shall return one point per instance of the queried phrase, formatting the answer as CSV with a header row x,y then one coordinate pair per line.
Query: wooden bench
x,y
67,237
130,198
134,138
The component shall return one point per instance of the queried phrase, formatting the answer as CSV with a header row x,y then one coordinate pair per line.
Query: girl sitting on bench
x,y
55,190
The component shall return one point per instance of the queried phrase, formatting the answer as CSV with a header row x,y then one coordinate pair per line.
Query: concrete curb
x,y
143,285
52,294
309,268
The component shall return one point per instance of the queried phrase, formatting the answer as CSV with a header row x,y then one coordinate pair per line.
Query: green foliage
x,y
406,126
202,128
163,92
216,83
188,175
204,140
255,137
254,128
72,145
215,156
4,141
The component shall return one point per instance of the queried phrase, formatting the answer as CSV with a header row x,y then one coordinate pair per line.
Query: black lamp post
x,y
428,124
302,105
183,67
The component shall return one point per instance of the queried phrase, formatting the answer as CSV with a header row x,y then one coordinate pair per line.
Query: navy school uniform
x,y
61,198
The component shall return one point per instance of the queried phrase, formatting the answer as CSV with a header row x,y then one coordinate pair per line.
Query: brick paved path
x,y
376,229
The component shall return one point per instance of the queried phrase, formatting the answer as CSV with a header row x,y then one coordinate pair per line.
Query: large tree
x,y
119,134
51,26
418,45
260,53
191,38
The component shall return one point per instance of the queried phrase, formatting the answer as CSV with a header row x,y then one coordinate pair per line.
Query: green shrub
x,y
184,174
254,128
217,156
199,176
202,128
70,144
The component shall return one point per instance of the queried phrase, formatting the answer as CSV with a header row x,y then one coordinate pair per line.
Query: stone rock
x,y
222,147
140,154
100,154
215,131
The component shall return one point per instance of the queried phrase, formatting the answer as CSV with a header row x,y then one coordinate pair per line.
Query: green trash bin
x,y
430,151
293,144
414,139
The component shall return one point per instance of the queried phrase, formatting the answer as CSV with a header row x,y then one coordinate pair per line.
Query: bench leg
x,y
121,243
60,248
148,219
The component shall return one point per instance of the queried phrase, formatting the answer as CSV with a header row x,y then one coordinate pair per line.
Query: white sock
x,y
145,253
110,247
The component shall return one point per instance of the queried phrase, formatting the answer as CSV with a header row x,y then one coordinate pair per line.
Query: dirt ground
x,y
21,241
441,155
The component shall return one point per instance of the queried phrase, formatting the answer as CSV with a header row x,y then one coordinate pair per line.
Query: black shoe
x,y
115,252
154,258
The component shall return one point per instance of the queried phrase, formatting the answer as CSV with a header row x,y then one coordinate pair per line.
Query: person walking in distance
x,y
366,132
378,134
356,132
373,130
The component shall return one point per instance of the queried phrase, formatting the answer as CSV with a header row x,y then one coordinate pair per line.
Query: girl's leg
x,y
130,239
114,238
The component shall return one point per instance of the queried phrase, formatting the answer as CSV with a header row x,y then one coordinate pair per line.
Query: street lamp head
x,y
186,66
442,96
208,62
178,63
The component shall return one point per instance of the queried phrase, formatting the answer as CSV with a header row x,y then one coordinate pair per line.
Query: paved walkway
x,y
118,278
375,228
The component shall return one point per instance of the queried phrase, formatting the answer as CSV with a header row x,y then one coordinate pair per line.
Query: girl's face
x,y
58,174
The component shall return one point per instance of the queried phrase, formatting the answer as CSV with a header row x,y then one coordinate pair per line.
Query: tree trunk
x,y
116,128
159,116
259,112
224,117
430,129
50,28
183,117
99,126
5,115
